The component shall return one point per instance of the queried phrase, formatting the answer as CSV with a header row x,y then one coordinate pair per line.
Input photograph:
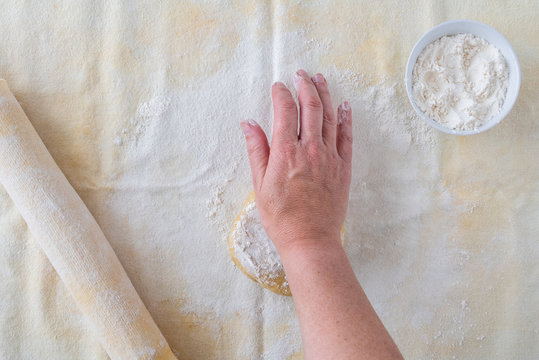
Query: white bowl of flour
x,y
462,77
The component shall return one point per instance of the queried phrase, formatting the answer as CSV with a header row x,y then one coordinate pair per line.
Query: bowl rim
x,y
417,50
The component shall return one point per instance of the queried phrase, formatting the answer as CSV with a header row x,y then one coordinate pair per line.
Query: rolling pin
x,y
72,240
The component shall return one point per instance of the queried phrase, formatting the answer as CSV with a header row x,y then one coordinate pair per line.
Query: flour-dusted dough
x,y
253,251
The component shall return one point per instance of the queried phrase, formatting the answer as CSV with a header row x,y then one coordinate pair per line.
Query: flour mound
x,y
460,81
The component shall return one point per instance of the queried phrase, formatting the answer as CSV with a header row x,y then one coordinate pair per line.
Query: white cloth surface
x,y
139,104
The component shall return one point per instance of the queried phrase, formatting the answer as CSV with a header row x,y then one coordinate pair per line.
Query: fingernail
x,y
318,78
297,79
278,83
247,127
252,122
343,114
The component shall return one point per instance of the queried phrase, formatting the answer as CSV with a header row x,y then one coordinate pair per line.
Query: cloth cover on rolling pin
x,y
72,240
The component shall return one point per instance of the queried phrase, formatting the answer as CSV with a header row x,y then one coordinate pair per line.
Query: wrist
x,y
318,265
293,238
311,246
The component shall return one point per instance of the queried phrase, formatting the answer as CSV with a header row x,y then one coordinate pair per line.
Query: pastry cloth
x,y
139,105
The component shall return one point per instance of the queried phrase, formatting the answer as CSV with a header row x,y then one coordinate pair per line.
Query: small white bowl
x,y
493,37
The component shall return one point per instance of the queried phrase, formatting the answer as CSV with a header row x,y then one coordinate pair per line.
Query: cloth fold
x,y
72,240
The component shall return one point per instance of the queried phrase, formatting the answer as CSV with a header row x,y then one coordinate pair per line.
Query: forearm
x,y
301,184
336,319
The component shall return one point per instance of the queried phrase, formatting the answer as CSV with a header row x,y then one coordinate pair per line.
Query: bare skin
x,y
301,186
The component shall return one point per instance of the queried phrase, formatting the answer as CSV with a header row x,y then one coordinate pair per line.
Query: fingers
x,y
310,107
329,122
285,115
344,132
257,149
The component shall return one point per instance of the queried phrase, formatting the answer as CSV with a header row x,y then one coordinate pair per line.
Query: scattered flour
x,y
147,112
192,190
460,81
183,196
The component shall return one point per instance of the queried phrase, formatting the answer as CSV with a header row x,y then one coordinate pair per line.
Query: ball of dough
x,y
254,253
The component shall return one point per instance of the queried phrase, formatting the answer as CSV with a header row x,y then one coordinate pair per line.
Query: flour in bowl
x,y
460,81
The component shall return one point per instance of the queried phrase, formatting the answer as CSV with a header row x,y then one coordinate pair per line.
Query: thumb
x,y
257,149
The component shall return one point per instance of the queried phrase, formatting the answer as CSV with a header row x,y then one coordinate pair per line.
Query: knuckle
x,y
287,105
334,159
314,149
345,175
328,118
347,138
254,147
287,149
313,103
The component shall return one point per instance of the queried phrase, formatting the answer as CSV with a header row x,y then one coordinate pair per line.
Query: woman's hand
x,y
301,183
301,188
